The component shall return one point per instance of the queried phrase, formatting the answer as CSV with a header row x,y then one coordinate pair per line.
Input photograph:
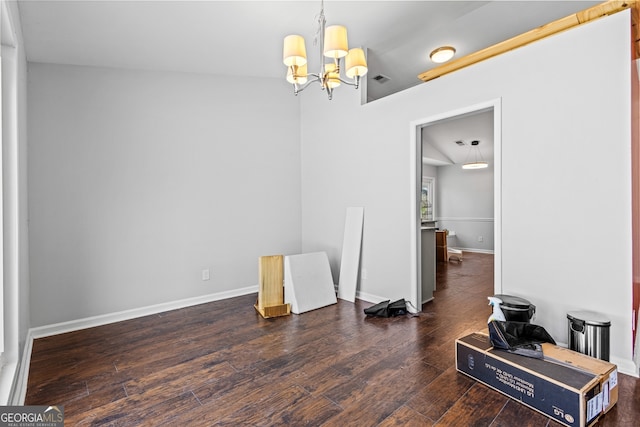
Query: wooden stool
x,y
271,287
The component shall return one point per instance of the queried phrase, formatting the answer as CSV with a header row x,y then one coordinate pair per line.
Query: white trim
x,y
475,250
415,133
415,245
468,219
370,297
3,385
20,390
497,195
8,27
7,375
9,218
105,319
625,366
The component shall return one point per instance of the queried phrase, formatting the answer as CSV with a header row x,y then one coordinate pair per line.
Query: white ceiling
x,y
245,37
439,146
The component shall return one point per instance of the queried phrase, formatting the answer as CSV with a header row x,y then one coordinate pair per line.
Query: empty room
x,y
155,152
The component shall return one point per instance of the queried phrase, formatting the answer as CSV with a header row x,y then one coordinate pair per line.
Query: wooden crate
x,y
271,288
441,246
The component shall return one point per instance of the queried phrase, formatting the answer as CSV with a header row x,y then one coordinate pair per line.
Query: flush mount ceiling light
x,y
478,162
442,54
332,42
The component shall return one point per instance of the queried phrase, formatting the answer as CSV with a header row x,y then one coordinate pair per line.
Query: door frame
x,y
415,130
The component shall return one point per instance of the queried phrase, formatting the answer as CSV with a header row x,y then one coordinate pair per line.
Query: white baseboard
x,y
479,251
365,296
105,319
7,377
369,297
625,366
20,390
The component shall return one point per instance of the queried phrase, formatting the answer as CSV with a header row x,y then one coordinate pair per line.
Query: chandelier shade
x,y
335,42
294,52
355,63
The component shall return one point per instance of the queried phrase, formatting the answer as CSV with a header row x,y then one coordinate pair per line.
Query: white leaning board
x,y
308,283
350,263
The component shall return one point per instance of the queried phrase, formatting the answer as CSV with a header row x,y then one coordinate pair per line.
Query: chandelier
x,y
332,41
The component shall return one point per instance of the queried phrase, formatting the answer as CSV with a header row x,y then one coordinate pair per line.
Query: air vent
x,y
380,78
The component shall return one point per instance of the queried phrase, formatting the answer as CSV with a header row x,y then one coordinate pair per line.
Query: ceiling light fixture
x,y
333,44
476,164
442,54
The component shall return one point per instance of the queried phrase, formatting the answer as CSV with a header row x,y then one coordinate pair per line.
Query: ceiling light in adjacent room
x,y
442,54
478,161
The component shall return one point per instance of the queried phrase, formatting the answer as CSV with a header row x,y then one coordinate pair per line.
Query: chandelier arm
x,y
347,82
298,89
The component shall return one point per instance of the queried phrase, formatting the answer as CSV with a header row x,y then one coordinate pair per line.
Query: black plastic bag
x,y
387,309
519,337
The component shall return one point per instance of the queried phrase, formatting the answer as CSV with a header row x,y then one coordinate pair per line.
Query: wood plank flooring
x,y
221,364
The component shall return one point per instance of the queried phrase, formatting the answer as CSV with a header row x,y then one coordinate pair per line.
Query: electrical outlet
x,y
205,274
363,276
480,239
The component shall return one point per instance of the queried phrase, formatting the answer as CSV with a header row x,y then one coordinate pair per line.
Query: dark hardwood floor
x,y
221,364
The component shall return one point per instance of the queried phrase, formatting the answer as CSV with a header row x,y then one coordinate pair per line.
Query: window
x,y
426,201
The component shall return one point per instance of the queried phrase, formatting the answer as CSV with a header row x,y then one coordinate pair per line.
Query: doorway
x,y
443,157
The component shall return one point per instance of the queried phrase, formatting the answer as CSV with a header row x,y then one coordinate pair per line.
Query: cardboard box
x,y
569,387
608,372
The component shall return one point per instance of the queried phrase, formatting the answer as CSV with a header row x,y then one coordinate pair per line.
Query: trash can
x,y
516,309
589,333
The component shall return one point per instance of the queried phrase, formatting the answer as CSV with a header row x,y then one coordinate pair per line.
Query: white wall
x,y
429,171
140,180
464,204
566,208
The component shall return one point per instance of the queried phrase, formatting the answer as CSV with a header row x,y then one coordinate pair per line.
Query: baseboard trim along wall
x,y
478,251
369,297
7,376
20,390
626,367
464,219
